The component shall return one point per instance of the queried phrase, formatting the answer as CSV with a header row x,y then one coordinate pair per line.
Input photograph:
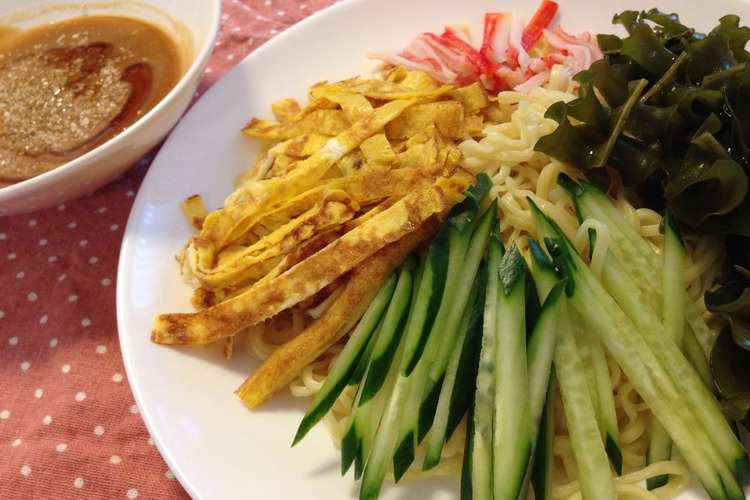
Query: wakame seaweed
x,y
667,110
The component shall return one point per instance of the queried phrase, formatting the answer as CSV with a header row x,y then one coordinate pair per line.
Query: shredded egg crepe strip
x,y
311,275
222,226
283,365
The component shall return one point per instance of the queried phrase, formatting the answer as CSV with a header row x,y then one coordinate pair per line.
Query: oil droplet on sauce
x,y
67,87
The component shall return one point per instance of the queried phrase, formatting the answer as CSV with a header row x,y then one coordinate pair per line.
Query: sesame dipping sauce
x,y
69,86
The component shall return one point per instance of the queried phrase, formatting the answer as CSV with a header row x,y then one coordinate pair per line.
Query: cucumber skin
x,y
480,472
462,267
541,472
454,398
673,316
436,268
567,258
376,466
350,447
578,406
462,399
589,199
393,325
466,489
334,384
512,440
403,457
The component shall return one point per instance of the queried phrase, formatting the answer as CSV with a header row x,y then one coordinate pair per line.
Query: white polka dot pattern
x,y
68,421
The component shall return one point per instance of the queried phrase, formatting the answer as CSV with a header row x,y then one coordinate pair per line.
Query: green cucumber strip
x,y
588,449
603,316
629,351
481,472
462,215
683,382
364,360
580,414
390,334
541,349
541,472
463,395
363,422
601,385
465,255
632,250
409,421
385,442
351,442
345,364
465,486
512,428
426,300
373,411
694,353
606,402
673,284
462,269
416,332
450,390
673,311
683,375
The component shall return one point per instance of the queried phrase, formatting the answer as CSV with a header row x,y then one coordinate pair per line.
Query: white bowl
x,y
193,23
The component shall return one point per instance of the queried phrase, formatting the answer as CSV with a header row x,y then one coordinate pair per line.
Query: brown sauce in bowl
x,y
67,87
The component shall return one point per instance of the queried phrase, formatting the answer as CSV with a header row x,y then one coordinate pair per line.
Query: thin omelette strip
x,y
365,188
303,251
287,362
221,226
381,89
244,265
309,276
194,210
322,121
301,146
355,106
320,241
286,110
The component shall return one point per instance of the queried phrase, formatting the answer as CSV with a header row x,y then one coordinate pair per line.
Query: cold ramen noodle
x,y
69,86
460,293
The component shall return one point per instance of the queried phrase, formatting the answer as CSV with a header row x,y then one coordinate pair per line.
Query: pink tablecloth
x,y
69,427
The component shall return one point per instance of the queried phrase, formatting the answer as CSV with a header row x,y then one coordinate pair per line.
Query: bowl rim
x,y
59,172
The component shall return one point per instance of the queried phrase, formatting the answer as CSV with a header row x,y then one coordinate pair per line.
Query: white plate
x,y
216,447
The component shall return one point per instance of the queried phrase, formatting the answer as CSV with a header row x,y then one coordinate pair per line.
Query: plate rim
x,y
136,212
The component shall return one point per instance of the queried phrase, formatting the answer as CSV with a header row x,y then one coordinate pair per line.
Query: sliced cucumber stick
x,y
459,378
649,374
512,427
365,418
541,473
345,365
480,465
673,311
466,251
